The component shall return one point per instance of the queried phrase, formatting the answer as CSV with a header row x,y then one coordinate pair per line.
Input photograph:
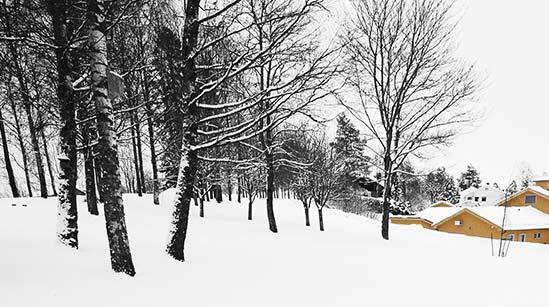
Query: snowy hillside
x,y
235,262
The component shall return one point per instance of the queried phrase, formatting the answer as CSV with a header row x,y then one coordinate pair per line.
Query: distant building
x,y
524,224
487,195
536,195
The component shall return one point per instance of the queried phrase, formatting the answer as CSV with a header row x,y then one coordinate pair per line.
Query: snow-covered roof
x,y
517,218
539,189
542,178
437,214
532,188
468,190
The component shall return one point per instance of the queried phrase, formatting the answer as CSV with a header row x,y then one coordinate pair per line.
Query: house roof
x,y
468,190
533,188
437,214
516,218
542,178
442,202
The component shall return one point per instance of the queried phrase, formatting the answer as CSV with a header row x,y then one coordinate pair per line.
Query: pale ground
x,y
235,262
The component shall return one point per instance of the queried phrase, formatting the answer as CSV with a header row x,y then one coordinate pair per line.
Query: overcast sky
x,y
507,40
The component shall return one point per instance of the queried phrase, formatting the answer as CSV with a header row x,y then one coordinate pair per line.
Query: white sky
x,y
507,40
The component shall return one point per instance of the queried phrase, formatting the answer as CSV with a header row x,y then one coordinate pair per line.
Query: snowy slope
x,y
235,262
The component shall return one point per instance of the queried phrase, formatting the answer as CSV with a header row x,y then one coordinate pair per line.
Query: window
x,y
469,198
537,235
530,199
483,198
522,237
457,223
476,198
511,237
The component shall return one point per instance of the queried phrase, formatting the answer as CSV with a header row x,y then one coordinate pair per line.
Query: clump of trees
x,y
141,96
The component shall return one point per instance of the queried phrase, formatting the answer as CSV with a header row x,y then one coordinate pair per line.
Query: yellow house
x,y
525,224
536,195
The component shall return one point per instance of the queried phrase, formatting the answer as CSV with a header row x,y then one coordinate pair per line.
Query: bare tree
x,y
411,91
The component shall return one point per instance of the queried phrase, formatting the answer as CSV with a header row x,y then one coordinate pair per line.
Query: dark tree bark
x,y
250,205
307,220
139,152
239,190
150,128
320,219
135,158
201,206
270,188
107,147
48,161
7,159
67,230
386,195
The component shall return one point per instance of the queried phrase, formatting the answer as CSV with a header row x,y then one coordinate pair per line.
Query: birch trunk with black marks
x,y
67,214
107,147
189,159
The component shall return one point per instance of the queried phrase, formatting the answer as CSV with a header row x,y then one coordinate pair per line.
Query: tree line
x,y
201,96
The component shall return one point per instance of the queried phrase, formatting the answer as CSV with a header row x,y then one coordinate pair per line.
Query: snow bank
x,y
235,262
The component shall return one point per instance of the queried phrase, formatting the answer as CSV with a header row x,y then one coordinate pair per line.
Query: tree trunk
x,y
207,193
67,214
48,161
89,170
250,203
20,141
320,219
386,197
270,192
140,152
135,158
239,190
189,159
107,147
202,206
229,186
7,159
156,199
307,221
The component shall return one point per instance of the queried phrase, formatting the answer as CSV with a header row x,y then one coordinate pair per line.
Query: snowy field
x,y
235,262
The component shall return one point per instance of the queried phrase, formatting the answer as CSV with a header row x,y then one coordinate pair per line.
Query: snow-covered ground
x,y
231,261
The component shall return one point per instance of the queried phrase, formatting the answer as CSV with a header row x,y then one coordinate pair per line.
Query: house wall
x,y
542,203
471,225
411,221
492,195
543,184
530,235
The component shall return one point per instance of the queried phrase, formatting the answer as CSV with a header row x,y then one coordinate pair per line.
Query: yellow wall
x,y
543,184
530,235
471,225
542,203
411,221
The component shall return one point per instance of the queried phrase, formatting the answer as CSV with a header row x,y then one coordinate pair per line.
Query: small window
x,y
483,198
457,223
511,237
522,237
537,235
469,198
530,199
476,198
